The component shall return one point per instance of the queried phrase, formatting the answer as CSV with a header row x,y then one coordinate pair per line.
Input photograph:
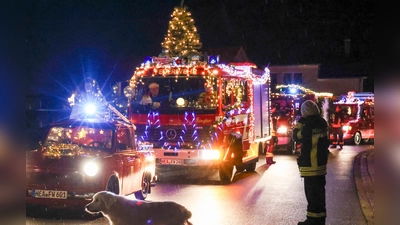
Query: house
x,y
308,76
337,80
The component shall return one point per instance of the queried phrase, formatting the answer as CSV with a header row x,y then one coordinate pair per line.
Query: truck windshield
x,y
169,95
81,135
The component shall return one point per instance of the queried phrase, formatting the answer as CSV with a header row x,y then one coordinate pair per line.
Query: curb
x,y
365,183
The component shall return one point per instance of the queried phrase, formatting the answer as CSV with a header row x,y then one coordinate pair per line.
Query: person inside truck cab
x,y
152,96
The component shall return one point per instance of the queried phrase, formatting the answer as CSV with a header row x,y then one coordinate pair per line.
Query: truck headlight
x,y
282,130
91,169
346,128
209,154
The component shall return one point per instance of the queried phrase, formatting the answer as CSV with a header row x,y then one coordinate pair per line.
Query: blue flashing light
x,y
148,59
90,109
213,59
292,90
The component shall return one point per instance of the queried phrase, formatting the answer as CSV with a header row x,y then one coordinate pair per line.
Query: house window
x,y
297,78
274,81
287,78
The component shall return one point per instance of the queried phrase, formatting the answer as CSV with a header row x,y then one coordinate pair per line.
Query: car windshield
x,y
175,94
81,135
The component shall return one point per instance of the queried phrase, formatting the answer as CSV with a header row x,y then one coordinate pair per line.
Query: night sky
x,y
67,41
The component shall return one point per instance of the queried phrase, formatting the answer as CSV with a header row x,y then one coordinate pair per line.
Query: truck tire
x,y
225,171
145,190
261,149
357,138
291,147
240,168
251,166
113,185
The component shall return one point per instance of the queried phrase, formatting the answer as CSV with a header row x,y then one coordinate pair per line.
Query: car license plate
x,y
49,194
172,161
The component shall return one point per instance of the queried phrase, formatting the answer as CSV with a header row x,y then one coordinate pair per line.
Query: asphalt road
x,y
271,195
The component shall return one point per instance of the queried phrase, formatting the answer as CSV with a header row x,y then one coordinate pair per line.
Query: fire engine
x,y
286,102
207,116
358,123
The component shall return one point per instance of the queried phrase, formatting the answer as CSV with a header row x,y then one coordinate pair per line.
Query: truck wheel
x,y
226,171
142,194
261,149
251,166
240,168
291,147
357,138
112,185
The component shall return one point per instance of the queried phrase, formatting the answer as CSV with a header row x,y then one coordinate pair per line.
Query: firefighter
x,y
312,132
337,128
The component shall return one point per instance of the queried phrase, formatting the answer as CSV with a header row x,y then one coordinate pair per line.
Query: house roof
x,y
229,54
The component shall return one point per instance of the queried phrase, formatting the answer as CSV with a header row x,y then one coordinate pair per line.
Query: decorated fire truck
x,y
93,150
200,116
285,111
358,109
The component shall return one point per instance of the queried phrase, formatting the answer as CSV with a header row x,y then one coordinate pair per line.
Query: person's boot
x,y
310,221
321,221
270,161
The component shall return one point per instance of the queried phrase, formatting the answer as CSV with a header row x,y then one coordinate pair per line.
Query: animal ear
x,y
109,200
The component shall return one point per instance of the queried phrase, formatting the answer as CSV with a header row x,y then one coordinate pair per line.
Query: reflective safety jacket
x,y
312,133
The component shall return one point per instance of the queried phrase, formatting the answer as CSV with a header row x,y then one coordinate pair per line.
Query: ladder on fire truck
x,y
96,96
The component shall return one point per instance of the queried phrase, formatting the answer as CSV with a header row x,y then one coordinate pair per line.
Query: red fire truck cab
x,y
358,123
286,102
205,116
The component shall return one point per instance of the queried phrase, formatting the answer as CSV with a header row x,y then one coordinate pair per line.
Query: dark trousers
x,y
315,193
337,136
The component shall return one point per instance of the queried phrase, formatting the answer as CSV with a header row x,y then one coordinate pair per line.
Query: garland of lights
x,y
306,90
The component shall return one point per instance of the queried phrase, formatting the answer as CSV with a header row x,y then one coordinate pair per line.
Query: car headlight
x,y
346,128
282,130
209,154
91,169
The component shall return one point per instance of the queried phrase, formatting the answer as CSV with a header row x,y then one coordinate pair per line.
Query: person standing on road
x,y
312,132
337,128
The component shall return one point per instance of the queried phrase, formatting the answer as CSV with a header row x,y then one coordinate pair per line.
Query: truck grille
x,y
55,180
173,136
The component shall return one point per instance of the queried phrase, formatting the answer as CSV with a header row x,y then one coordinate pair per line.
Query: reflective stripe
x,y
312,171
298,126
299,135
316,215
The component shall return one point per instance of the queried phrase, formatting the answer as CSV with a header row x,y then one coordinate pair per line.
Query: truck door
x,y
367,124
132,161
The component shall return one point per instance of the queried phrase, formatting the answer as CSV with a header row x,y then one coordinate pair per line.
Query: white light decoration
x,y
180,101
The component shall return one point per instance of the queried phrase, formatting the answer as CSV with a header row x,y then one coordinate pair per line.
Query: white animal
x,y
123,211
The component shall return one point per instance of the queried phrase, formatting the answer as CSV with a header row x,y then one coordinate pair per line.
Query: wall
x,y
311,80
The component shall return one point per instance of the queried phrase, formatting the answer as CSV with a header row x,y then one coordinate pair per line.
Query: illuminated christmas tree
x,y
182,38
